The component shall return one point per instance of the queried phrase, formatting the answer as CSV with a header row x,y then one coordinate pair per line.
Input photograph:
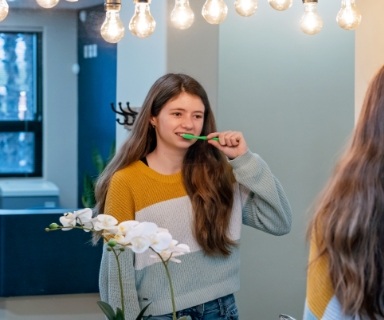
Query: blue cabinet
x,y
36,262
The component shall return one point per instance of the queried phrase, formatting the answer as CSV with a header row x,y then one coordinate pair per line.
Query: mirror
x,y
291,94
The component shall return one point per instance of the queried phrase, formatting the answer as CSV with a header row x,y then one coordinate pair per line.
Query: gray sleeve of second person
x,y
265,204
109,282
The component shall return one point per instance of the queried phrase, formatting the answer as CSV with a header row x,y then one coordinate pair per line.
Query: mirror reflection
x,y
293,96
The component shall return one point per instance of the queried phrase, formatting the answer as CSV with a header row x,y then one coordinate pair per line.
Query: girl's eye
x,y
177,114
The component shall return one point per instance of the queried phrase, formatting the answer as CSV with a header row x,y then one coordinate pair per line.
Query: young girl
x,y
201,191
345,278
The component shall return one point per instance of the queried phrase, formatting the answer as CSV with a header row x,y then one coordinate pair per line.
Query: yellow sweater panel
x,y
319,287
136,187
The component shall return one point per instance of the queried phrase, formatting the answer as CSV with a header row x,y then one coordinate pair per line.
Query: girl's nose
x,y
187,123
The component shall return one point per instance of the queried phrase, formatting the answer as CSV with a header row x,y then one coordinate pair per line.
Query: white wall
x,y
59,94
369,47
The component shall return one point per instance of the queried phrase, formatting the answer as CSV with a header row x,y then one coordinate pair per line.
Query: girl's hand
x,y
231,143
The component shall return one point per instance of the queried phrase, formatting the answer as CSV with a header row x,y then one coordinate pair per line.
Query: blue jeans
x,y
223,308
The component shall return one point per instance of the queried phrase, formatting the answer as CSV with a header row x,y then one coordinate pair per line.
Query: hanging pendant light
x,y
47,4
142,24
4,8
311,22
246,8
182,16
112,29
214,11
280,5
348,17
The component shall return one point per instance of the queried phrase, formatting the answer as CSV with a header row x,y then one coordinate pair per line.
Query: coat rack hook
x,y
129,115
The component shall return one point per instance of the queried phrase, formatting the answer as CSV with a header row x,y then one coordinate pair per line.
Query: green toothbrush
x,y
191,137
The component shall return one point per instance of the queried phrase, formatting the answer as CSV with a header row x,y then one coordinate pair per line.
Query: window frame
x,y
35,126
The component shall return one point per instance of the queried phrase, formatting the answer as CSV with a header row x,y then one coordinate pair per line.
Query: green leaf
x,y
141,314
119,314
98,161
184,318
107,309
88,197
112,151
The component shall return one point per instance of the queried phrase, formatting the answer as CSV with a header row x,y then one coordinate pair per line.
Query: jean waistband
x,y
219,303
226,299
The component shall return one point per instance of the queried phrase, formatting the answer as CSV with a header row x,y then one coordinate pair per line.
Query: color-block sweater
x,y
140,193
321,302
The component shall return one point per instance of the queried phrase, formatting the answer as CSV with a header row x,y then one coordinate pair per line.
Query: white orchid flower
x,y
84,218
68,220
144,229
126,226
123,229
141,230
139,244
105,222
161,241
120,239
139,236
173,251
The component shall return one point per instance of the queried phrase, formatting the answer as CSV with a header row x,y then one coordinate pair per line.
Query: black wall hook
x,y
129,114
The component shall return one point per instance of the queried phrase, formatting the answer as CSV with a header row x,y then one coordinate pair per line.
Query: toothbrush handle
x,y
205,138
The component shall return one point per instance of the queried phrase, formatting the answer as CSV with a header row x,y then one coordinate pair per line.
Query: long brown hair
x,y
207,175
348,225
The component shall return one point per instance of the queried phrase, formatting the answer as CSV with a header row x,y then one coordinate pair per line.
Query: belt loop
x,y
199,309
222,307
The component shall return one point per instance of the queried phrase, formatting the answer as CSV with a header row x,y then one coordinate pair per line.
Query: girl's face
x,y
183,114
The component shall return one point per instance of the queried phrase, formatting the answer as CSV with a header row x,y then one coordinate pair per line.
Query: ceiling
x,y
63,4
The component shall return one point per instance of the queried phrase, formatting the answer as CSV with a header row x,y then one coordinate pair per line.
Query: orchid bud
x,y
112,243
53,226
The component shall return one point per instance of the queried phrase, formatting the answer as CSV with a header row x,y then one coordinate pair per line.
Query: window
x,y
20,104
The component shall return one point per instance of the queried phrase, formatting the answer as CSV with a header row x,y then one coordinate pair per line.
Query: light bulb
x,y
47,3
280,5
112,29
311,22
142,23
182,15
348,17
246,8
4,8
214,11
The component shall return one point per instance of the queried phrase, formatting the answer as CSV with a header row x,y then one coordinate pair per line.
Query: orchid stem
x,y
165,264
120,280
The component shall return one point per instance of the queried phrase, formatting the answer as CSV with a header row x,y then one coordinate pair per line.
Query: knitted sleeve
x,y
265,205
